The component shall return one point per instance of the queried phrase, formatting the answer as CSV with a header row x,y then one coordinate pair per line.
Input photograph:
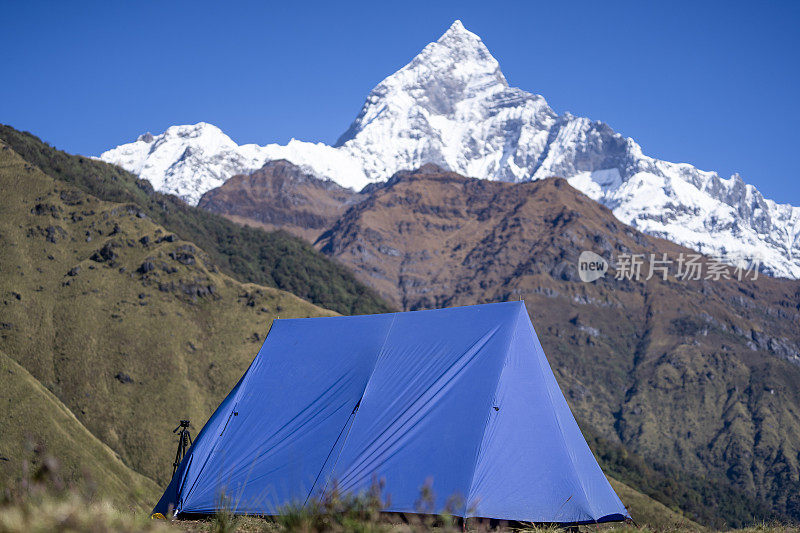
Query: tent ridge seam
x,y
488,417
352,418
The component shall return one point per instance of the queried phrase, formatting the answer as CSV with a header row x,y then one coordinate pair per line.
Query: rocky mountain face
x,y
702,374
452,106
281,195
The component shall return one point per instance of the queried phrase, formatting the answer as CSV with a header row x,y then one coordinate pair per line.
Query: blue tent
x,y
462,398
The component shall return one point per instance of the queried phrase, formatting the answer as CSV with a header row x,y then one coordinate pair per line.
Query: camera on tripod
x,y
184,441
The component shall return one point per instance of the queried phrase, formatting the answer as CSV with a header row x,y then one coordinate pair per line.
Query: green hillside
x,y
130,327
667,487
275,259
29,409
650,513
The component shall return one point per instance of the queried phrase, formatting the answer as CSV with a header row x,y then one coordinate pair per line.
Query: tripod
x,y
184,441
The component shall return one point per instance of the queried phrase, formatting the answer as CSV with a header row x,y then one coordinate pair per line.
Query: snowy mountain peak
x,y
184,160
459,38
456,27
201,130
452,106
450,95
460,54
459,49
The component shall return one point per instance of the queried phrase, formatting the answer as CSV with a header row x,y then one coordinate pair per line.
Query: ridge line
x,y
489,414
352,417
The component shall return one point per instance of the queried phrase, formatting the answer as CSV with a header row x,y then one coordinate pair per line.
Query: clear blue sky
x,y
716,85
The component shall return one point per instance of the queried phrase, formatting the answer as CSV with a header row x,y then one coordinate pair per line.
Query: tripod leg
x,y
178,458
183,443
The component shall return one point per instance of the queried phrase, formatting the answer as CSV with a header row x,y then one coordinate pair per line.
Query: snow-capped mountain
x,y
190,160
451,105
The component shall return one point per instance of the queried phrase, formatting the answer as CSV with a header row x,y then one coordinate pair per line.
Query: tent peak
x,y
515,304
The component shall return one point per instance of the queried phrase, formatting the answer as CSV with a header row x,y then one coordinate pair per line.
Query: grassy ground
x,y
43,501
75,514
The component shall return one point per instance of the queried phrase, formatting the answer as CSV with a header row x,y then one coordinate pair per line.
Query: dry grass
x,y
77,515
74,514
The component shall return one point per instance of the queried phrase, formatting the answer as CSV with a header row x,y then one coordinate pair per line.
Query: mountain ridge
x,y
282,196
452,106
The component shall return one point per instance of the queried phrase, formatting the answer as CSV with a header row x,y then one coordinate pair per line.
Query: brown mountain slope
x,y
128,326
281,195
704,374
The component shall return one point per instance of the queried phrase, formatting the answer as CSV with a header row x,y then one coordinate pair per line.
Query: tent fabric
x,y
462,399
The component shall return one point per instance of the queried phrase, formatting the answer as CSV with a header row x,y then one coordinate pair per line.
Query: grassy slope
x,y
648,512
707,500
129,353
274,259
29,408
